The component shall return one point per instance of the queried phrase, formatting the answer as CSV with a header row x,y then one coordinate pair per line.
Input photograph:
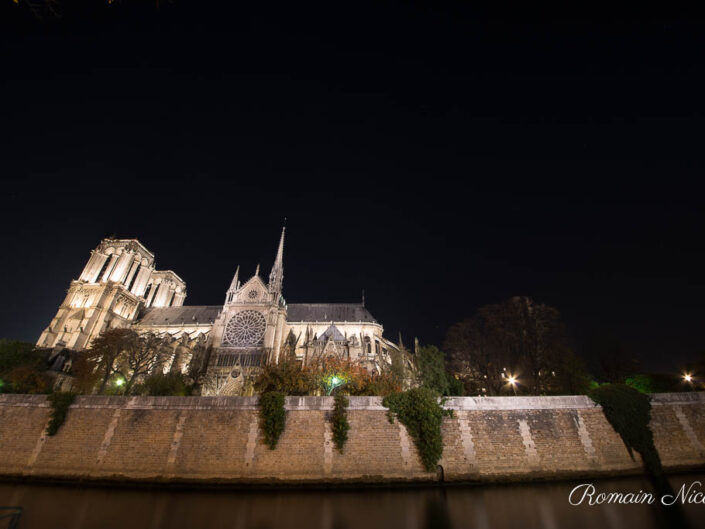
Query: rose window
x,y
245,329
252,294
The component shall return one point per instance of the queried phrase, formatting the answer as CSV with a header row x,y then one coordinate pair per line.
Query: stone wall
x,y
217,440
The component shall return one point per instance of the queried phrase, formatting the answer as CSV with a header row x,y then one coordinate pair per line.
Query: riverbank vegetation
x,y
272,417
339,422
421,412
629,412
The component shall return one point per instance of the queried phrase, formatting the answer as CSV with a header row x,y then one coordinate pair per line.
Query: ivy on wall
x,y
272,417
629,412
339,422
60,403
420,411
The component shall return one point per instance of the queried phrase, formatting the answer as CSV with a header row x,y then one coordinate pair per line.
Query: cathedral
x,y
121,287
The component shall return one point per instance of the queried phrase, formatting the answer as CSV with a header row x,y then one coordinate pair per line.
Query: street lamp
x,y
688,378
512,381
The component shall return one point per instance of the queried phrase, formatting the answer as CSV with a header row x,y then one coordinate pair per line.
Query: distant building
x,y
120,287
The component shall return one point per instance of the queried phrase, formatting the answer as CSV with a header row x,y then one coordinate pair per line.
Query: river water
x,y
523,506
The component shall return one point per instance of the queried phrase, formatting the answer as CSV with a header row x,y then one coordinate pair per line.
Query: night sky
x,y
439,158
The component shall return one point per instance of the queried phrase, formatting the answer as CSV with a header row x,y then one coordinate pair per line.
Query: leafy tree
x,y
287,377
23,368
15,353
25,379
431,366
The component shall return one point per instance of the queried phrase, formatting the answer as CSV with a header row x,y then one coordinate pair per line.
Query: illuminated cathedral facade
x,y
121,287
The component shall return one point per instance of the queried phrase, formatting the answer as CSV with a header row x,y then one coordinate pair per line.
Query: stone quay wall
x,y
217,440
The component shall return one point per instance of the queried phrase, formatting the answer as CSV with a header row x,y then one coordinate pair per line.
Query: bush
x,y
339,422
384,384
419,410
23,368
15,354
629,413
652,383
60,403
26,379
171,384
272,417
456,388
287,377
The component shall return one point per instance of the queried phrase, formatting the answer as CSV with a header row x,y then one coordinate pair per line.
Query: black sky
x,y
437,157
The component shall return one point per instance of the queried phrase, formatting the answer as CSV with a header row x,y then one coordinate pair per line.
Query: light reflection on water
x,y
482,507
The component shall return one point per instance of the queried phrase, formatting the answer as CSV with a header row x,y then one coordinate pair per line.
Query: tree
x,y
518,338
139,357
106,350
23,368
14,353
615,358
432,369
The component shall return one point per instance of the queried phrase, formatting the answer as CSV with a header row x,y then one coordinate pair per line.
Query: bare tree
x,y
516,338
140,357
106,350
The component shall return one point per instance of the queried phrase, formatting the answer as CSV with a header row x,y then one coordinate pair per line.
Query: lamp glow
x,y
688,377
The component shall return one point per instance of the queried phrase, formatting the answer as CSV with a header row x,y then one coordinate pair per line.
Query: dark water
x,y
482,507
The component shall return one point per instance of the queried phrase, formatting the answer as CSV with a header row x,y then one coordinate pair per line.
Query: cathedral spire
x,y
233,286
277,275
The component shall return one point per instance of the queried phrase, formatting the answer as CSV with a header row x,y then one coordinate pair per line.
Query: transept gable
x,y
253,291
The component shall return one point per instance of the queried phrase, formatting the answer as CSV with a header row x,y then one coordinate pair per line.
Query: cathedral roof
x,y
178,315
328,312
333,333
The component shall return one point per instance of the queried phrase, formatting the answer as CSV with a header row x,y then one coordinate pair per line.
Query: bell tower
x,y
117,281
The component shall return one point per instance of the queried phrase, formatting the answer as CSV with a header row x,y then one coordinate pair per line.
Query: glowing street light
x,y
334,382
688,377
119,382
512,381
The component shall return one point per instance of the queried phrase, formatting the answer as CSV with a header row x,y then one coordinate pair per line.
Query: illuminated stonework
x,y
120,287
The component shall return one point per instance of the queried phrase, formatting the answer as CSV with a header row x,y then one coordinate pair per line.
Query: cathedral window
x,y
146,292
245,329
171,300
